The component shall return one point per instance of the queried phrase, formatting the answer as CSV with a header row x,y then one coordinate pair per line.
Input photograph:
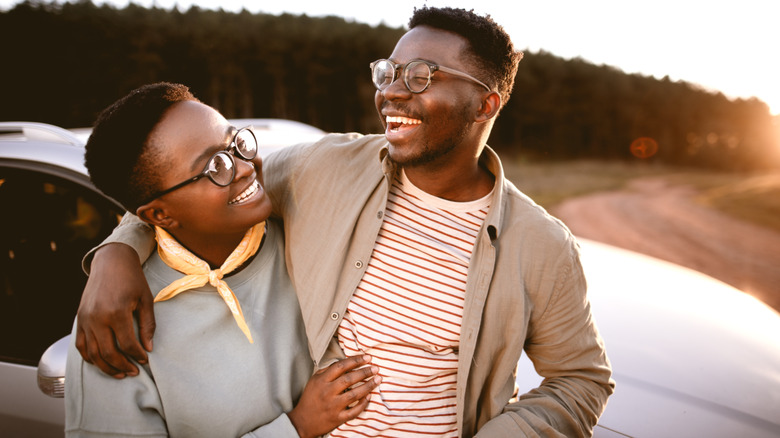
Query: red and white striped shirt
x,y
407,311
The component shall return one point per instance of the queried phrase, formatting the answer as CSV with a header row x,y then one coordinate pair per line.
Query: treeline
x,y
63,63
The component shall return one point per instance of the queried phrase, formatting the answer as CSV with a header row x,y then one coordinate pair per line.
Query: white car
x,y
692,357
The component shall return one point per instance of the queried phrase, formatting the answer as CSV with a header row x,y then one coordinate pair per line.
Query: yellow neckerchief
x,y
199,273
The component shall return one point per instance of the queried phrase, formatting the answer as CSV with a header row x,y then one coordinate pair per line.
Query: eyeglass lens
x,y
416,75
220,169
246,144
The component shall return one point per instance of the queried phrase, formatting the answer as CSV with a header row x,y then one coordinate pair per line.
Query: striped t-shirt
x,y
407,311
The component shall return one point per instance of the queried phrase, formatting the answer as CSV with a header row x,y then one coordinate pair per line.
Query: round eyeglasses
x,y
416,73
221,167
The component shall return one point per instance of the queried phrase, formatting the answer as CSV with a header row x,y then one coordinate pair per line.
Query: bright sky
x,y
724,45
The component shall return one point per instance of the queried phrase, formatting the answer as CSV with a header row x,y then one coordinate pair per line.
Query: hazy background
x,y
720,45
613,100
69,60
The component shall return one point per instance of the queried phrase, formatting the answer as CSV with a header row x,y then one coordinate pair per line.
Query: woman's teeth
x,y
246,194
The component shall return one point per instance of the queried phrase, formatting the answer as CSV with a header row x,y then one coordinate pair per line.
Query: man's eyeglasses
x,y
221,167
416,74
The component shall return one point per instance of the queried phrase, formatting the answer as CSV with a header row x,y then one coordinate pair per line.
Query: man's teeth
x,y
403,120
251,190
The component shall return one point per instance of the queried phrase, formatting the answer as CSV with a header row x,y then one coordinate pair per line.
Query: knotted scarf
x,y
198,272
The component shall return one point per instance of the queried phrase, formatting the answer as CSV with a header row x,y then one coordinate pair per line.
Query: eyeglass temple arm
x,y
462,75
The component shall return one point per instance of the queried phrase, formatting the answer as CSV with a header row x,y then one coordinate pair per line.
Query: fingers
x,y
128,345
146,323
117,344
106,336
354,385
360,391
334,395
351,378
81,344
353,410
334,371
356,398
99,344
91,352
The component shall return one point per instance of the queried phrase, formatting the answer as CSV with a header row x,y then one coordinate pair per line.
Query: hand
x,y
334,395
116,291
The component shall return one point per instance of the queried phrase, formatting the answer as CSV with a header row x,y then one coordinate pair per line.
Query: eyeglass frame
x,y
432,68
231,151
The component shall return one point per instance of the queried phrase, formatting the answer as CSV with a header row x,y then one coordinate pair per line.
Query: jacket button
x,y
358,264
379,215
334,316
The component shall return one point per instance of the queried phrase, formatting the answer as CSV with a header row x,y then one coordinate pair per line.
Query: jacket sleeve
x,y
567,350
131,231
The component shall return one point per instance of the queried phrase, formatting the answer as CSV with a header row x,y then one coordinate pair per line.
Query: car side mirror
x,y
51,368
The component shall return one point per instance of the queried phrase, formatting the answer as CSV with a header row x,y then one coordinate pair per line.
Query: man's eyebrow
x,y
210,151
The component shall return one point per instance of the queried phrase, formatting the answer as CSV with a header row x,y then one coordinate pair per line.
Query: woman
x,y
230,355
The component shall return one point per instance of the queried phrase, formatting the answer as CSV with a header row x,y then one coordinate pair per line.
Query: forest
x,y
64,62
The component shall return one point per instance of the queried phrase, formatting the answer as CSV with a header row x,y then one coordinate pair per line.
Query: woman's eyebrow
x,y
211,150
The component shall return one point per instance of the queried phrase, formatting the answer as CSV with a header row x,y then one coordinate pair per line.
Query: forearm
x,y
560,407
132,232
117,292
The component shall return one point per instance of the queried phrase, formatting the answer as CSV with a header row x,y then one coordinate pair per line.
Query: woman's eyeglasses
x,y
221,167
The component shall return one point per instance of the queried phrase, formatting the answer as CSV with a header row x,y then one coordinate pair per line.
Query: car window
x,y
46,226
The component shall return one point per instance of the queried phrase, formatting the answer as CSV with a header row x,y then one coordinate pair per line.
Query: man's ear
x,y
490,106
155,213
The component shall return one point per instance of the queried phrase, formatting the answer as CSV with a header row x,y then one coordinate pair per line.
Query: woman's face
x,y
188,135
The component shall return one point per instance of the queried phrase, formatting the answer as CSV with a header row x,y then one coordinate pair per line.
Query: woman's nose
x,y
244,168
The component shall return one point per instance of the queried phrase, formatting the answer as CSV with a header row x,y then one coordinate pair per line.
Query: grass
x,y
754,197
550,183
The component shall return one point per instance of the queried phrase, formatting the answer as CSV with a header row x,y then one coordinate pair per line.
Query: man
x,y
414,248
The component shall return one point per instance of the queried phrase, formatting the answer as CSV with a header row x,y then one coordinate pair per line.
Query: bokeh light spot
x,y
644,147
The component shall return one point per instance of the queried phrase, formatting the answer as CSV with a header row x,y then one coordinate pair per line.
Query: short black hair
x,y
489,46
118,158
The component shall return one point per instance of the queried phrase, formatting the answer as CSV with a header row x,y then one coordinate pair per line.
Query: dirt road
x,y
656,218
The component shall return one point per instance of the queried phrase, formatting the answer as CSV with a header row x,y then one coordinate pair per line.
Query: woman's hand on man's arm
x,y
334,395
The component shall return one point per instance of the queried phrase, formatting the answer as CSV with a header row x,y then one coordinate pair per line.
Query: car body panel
x,y
24,410
690,354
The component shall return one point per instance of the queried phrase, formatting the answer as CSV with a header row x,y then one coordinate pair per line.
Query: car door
x,y
50,218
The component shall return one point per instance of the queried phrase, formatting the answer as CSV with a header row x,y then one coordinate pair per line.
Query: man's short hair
x,y
118,157
489,46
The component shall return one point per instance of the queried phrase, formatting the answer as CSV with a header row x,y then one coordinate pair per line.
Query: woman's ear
x,y
490,106
155,213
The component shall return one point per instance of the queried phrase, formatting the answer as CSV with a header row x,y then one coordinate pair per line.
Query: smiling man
x,y
412,247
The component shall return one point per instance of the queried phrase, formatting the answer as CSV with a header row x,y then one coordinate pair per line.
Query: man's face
x,y
189,135
428,127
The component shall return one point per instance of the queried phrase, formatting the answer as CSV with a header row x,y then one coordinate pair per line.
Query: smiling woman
x,y
220,256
